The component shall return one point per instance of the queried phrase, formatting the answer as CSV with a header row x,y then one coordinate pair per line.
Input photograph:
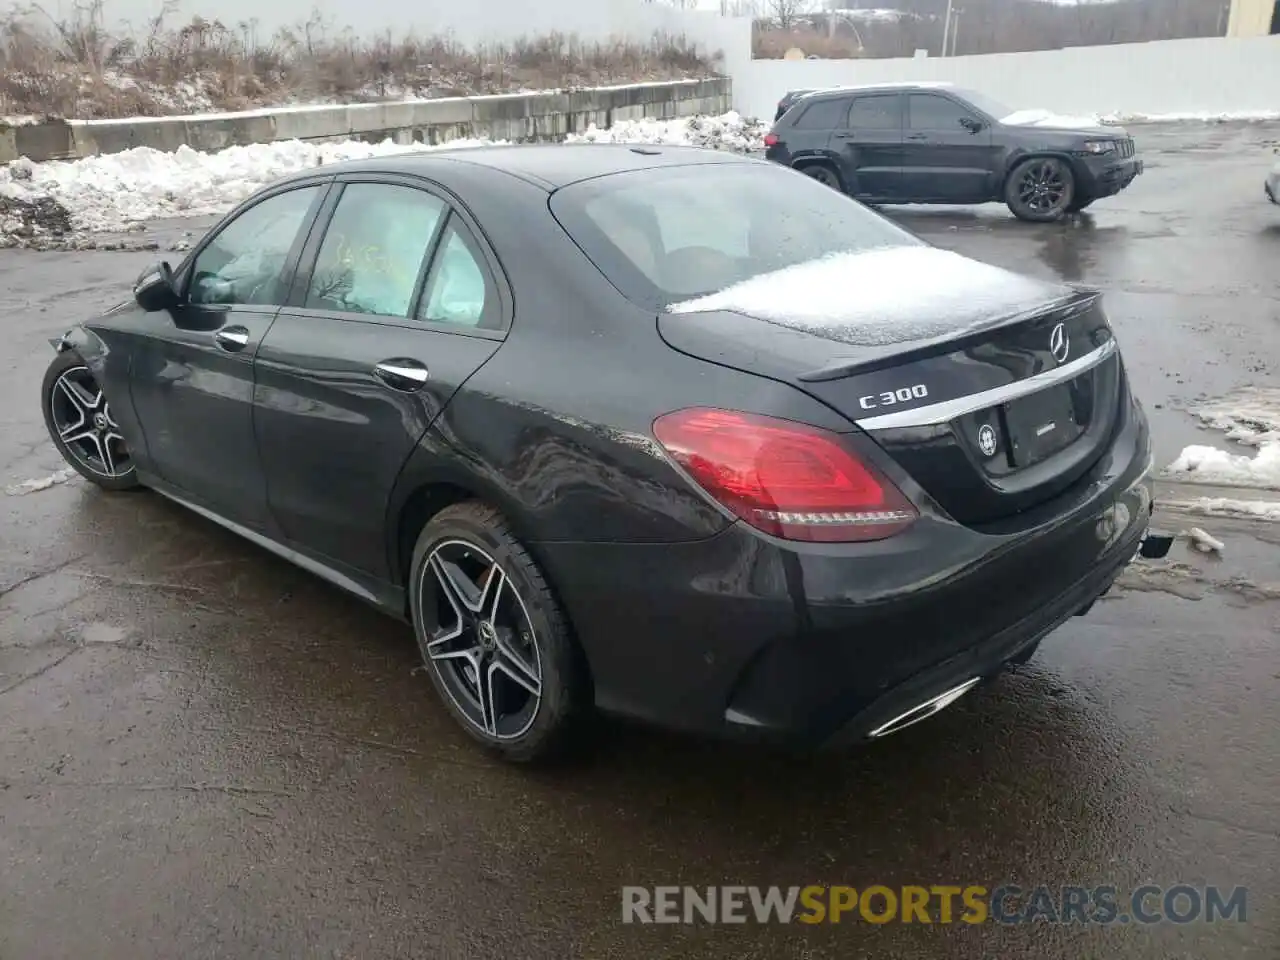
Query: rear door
x,y
870,146
946,151
397,302
811,131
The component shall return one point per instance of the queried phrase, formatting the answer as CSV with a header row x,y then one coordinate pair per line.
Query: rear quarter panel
x,y
556,428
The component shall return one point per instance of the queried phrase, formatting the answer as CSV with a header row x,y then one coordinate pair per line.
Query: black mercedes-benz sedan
x,y
671,433
938,143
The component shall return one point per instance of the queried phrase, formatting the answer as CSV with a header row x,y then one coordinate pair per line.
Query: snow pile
x,y
1044,118
1205,117
1250,417
730,131
113,191
1227,507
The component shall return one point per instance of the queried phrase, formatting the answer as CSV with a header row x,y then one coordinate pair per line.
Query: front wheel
x,y
82,426
493,637
1040,189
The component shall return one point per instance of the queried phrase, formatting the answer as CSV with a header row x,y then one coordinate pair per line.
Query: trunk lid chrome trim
x,y
948,410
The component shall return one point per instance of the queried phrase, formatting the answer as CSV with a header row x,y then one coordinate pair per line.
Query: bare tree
x,y
784,12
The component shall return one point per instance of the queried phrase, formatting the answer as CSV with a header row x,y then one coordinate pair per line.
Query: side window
x,y
245,263
882,112
930,112
823,115
459,288
373,250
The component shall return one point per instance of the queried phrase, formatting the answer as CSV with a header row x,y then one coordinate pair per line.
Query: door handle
x,y
232,339
845,136
917,136
404,375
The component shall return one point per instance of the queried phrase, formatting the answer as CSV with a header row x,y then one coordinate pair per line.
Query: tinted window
x,y
374,249
673,233
823,115
876,113
245,263
929,112
459,288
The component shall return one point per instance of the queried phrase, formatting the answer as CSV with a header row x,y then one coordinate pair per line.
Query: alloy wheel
x,y
85,425
480,640
823,175
1043,187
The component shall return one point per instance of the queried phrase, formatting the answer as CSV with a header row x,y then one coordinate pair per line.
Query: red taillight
x,y
787,479
770,139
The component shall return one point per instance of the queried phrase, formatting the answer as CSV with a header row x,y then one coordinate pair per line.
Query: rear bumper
x,y
1100,177
812,644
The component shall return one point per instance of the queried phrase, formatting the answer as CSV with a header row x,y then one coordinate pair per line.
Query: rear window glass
x,y
823,115
668,234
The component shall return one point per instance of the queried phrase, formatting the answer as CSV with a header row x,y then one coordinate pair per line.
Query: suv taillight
x,y
788,479
770,139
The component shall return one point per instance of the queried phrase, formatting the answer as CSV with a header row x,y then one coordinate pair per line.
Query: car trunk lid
x,y
994,391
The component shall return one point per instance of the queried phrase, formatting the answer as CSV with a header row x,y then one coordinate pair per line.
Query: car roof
x,y
902,85
548,165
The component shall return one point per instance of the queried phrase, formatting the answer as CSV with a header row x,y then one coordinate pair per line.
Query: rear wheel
x,y
824,173
1040,189
82,425
493,637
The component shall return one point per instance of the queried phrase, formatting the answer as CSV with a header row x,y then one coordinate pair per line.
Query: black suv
x,y
935,143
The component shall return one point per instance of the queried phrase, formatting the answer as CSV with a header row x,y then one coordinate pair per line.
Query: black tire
x,y
549,728
111,470
1079,204
824,173
1040,190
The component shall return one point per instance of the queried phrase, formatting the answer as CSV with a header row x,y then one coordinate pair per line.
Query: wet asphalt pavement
x,y
205,752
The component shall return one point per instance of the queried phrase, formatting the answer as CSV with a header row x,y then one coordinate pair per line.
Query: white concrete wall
x,y
1212,75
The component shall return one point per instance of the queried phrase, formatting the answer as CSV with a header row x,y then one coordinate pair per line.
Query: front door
x,y
870,146
396,305
192,375
946,152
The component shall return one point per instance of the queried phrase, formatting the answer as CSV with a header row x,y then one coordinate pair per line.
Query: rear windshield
x,y
669,234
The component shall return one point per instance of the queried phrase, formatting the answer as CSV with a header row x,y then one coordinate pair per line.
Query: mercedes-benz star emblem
x,y
987,440
1059,344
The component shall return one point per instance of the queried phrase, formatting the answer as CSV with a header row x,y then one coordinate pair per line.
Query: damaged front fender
x,y
83,341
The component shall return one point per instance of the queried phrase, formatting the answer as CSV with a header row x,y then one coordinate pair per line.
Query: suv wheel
x,y
823,173
1040,190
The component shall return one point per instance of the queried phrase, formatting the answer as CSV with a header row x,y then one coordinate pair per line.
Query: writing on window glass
x,y
373,252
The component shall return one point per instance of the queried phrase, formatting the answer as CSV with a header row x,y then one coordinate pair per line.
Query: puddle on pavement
x,y
91,633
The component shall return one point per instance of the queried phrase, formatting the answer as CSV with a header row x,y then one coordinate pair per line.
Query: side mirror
x,y
972,125
155,288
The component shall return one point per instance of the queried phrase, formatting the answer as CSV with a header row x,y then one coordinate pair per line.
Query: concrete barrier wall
x,y
518,117
1210,75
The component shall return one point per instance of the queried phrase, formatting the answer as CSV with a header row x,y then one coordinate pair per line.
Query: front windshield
x,y
988,105
669,234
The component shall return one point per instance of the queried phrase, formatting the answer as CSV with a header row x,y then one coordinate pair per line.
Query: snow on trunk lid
x,y
882,297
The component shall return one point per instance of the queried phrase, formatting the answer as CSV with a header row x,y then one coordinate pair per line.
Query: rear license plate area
x,y
1043,423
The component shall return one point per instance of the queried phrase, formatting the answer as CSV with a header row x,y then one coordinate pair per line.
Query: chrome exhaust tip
x,y
922,711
